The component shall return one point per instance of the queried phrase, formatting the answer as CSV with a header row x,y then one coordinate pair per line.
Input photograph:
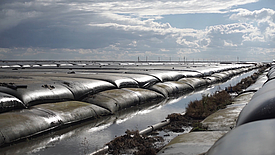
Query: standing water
x,y
89,136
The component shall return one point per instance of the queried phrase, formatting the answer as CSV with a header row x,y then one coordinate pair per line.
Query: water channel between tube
x,y
90,136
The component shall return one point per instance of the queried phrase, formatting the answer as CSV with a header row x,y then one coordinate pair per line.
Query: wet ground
x,y
90,136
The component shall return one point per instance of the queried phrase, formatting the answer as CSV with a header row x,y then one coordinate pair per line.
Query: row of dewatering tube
x,y
18,124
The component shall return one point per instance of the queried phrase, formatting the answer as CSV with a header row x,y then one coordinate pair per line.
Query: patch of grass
x,y
200,109
246,82
197,126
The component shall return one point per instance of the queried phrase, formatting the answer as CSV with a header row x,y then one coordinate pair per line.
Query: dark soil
x,y
134,143
177,122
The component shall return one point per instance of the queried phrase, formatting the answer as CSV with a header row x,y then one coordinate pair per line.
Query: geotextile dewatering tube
x,y
9,102
39,93
24,123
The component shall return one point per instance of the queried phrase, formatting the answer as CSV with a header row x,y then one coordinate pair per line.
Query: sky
x,y
138,29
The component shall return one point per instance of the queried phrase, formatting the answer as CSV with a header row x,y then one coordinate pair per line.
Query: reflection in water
x,y
98,128
91,135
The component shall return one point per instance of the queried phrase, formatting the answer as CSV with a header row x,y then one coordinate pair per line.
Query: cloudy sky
x,y
126,30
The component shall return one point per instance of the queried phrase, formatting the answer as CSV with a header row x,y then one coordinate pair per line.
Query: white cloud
x,y
264,19
4,50
16,12
133,43
12,18
164,7
229,43
187,52
127,29
244,14
164,50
